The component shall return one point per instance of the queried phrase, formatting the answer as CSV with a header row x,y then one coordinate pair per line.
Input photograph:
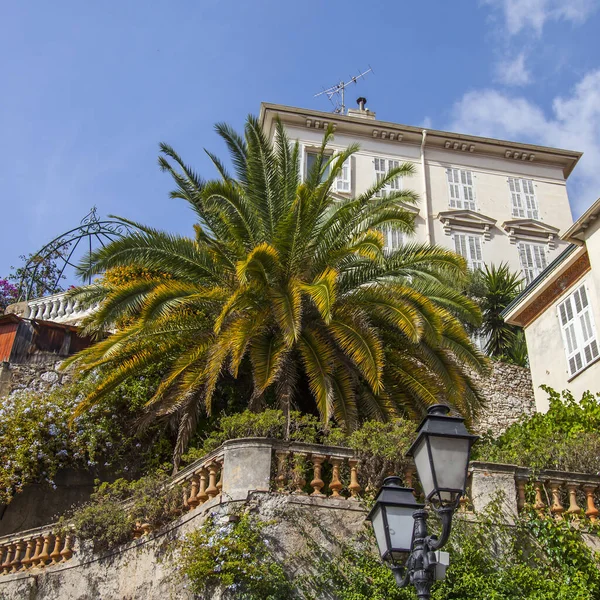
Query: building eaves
x,y
568,158
576,233
539,280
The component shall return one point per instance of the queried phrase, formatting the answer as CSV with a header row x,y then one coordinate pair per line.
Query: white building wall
x,y
490,178
547,357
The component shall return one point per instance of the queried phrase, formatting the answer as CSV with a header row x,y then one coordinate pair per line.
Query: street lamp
x,y
441,453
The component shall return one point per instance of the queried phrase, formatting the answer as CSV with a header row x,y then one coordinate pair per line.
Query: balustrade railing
x,y
59,308
558,493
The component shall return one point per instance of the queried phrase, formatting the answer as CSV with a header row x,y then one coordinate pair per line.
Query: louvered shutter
x,y
393,238
454,187
380,172
467,189
514,185
395,184
530,200
343,182
566,315
586,325
475,255
460,245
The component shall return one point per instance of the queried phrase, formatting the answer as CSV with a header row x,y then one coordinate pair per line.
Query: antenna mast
x,y
337,93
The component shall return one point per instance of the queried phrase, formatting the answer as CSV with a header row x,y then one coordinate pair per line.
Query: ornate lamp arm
x,y
445,515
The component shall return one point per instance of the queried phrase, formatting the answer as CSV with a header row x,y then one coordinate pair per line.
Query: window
x,y
393,238
342,183
460,185
578,330
533,260
524,203
469,246
382,168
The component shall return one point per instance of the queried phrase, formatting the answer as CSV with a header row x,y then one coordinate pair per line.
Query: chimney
x,y
361,112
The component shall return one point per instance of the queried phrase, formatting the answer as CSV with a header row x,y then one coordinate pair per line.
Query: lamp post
x,y
441,453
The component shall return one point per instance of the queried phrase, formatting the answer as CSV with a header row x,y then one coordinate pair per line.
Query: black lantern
x,y
441,453
393,522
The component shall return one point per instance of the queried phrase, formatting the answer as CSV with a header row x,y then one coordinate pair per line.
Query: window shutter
x,y
517,201
379,174
461,191
586,325
453,187
343,182
393,238
395,184
533,260
460,245
530,200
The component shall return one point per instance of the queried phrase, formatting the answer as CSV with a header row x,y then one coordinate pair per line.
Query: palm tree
x,y
295,282
497,287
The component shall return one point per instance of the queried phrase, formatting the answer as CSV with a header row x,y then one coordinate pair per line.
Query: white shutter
x,y
393,238
579,331
533,260
460,188
396,183
382,168
453,187
514,185
380,172
530,200
460,245
343,182
475,255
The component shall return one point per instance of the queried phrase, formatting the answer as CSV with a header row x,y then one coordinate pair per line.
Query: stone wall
x,y
147,568
34,377
509,394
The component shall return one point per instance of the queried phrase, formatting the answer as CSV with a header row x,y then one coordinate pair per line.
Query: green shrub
x,y
109,518
566,438
235,556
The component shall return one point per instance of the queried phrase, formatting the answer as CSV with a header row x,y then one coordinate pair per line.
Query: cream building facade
x,y
490,200
560,313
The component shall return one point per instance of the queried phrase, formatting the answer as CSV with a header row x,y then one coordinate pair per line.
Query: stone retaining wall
x,y
41,377
509,394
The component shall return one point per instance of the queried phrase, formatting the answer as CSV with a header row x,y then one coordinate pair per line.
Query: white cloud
x,y
574,124
523,14
513,72
427,123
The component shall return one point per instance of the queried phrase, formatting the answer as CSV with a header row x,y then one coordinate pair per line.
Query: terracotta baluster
x,y
573,506
3,551
317,483
354,486
220,464
28,554
44,556
146,528
16,561
336,485
10,552
591,511
298,475
202,495
281,456
35,559
67,551
557,508
539,501
56,552
193,500
521,498
212,490
185,502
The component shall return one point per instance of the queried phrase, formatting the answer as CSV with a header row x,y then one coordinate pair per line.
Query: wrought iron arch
x,y
90,232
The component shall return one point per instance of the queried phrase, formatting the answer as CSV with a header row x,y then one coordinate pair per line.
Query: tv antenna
x,y
336,93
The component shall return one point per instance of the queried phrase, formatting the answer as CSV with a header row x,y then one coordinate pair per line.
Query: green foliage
x,y
286,282
566,438
111,515
495,288
537,559
38,435
42,275
236,556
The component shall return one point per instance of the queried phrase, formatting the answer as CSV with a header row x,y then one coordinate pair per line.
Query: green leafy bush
x,y
566,438
111,515
235,556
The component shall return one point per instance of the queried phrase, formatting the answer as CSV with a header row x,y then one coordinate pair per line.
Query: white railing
x,y
58,308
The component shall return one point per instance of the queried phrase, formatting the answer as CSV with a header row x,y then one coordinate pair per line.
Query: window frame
x,y
476,262
397,184
388,234
525,269
457,189
574,322
314,150
524,204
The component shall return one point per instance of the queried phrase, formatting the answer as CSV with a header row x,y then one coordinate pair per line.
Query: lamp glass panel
x,y
450,458
421,457
379,529
401,525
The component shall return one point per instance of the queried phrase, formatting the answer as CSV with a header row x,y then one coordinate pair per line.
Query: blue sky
x,y
89,89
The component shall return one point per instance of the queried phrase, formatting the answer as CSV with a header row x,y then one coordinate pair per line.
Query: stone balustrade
x,y
34,549
58,308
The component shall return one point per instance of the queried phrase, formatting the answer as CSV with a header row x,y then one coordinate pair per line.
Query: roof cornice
x,y
373,128
576,233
